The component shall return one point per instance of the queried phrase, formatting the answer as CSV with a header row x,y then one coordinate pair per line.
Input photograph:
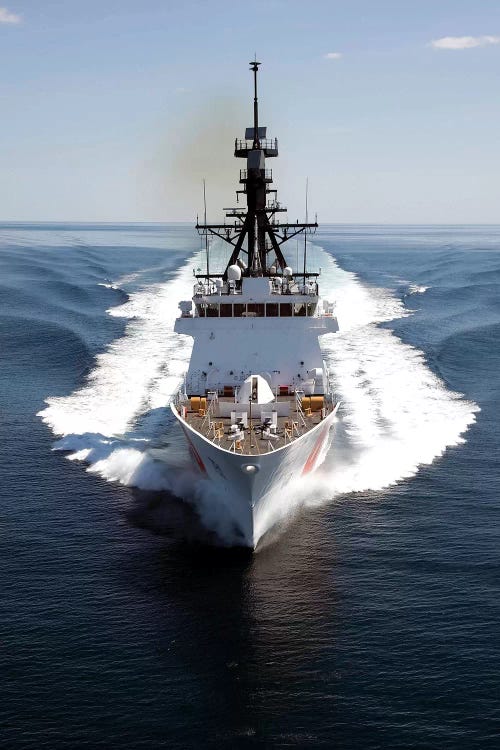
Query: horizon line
x,y
90,222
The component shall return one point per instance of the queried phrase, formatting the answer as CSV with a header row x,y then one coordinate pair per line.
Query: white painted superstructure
x,y
230,348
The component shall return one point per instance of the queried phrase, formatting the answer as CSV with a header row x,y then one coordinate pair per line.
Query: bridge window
x,y
272,310
299,309
285,309
239,309
226,311
311,308
255,310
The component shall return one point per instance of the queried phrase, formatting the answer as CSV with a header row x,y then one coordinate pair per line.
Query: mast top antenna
x,y
254,65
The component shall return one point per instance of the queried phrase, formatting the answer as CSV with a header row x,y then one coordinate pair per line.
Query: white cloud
x,y
464,42
6,16
333,55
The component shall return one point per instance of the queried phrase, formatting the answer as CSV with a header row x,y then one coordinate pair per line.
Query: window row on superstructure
x,y
255,309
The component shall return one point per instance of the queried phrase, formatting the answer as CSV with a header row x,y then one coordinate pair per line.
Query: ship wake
x,y
396,413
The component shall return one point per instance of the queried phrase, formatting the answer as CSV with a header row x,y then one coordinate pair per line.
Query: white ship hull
x,y
251,489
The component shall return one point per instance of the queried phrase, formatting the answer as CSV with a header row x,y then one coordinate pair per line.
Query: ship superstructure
x,y
257,404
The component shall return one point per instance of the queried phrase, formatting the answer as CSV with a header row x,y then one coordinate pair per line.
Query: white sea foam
x,y
137,373
396,414
417,289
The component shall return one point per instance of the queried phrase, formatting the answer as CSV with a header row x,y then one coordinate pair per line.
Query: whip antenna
x,y
206,233
305,233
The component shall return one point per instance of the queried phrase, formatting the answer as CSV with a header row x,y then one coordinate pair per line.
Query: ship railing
x,y
267,144
277,288
310,289
204,289
298,407
180,396
275,206
201,290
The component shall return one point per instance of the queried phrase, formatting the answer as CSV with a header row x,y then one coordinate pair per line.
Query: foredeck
x,y
250,433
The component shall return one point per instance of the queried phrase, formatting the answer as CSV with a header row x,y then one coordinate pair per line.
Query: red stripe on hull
x,y
309,464
194,452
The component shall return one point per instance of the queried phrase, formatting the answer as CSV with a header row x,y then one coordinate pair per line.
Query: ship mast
x,y
256,233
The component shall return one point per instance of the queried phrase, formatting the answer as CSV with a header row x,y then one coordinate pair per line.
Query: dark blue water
x,y
372,622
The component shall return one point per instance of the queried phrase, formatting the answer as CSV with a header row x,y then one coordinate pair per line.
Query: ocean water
x,y
371,620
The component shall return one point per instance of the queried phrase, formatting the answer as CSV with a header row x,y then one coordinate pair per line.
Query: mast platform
x,y
242,148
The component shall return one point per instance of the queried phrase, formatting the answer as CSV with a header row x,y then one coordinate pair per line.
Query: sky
x,y
115,110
